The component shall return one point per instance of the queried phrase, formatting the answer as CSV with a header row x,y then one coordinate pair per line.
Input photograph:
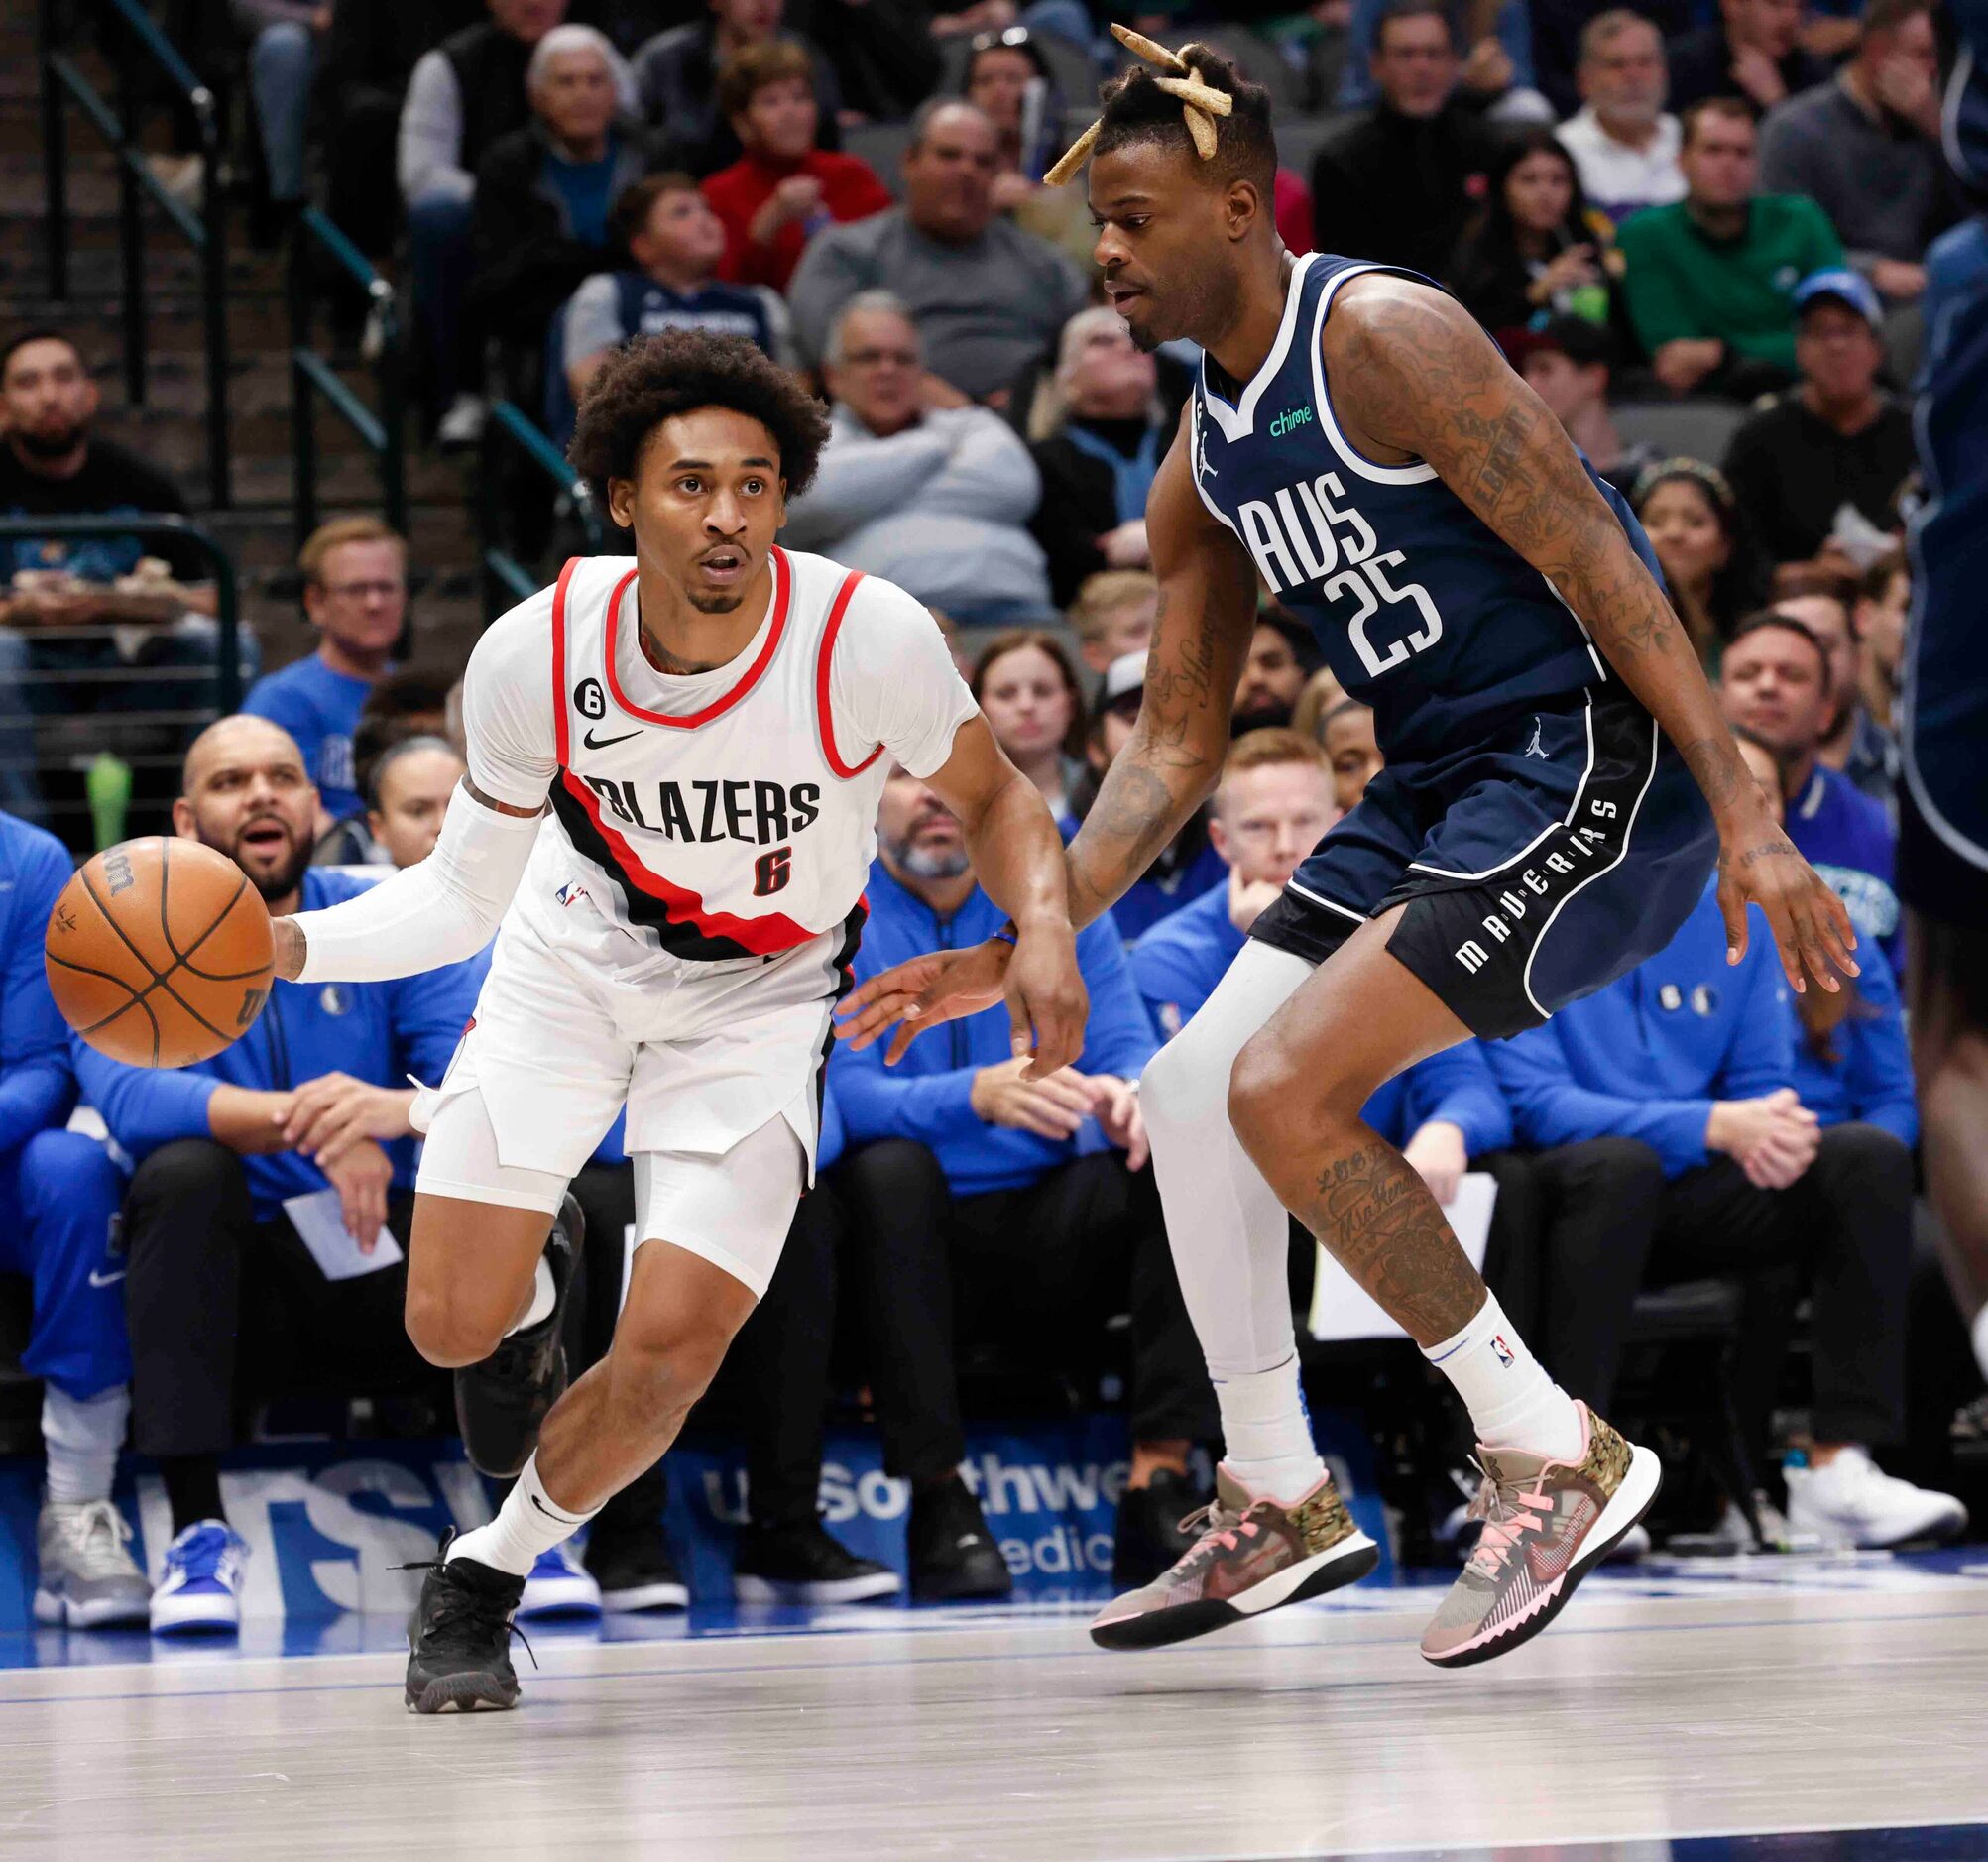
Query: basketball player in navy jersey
x,y
1557,786
1943,714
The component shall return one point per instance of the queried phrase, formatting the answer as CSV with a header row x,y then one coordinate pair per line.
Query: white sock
x,y
82,1437
543,1297
1267,1434
1513,1403
1978,1332
527,1525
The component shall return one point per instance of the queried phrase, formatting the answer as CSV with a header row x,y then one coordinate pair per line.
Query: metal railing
x,y
511,430
22,711
64,81
384,433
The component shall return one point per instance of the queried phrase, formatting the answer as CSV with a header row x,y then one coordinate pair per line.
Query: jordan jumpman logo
x,y
1534,748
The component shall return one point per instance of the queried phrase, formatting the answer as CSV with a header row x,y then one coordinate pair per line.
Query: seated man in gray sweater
x,y
916,488
989,297
1865,148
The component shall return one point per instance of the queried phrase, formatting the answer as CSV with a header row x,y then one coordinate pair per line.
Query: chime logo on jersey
x,y
757,813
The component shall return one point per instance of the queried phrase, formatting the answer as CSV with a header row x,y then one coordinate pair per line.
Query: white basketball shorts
x,y
718,1065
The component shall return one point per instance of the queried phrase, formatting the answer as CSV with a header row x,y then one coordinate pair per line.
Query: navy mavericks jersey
x,y
1422,611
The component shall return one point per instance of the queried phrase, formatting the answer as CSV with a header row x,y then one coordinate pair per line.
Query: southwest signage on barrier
x,y
326,1524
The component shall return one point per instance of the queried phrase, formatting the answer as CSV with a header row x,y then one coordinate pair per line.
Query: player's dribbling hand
x,y
1812,929
922,993
362,1178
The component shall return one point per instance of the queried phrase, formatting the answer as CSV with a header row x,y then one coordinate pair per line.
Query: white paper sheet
x,y
321,1227
1342,1309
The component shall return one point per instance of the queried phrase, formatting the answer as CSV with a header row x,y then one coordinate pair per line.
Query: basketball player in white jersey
x,y
674,765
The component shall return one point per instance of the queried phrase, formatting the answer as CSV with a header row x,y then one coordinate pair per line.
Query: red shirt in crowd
x,y
850,190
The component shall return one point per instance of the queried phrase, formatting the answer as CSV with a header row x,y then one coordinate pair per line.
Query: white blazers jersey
x,y
725,815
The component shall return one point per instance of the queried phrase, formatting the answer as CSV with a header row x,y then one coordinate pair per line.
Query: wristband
x,y
1007,934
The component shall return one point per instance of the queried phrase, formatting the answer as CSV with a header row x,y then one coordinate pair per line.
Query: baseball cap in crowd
x,y
1583,343
1841,284
1125,684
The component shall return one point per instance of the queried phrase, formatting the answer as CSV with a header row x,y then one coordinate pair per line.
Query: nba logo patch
x,y
1502,1350
571,892
333,1000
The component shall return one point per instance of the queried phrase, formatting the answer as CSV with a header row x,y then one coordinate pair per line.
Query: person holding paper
x,y
264,1225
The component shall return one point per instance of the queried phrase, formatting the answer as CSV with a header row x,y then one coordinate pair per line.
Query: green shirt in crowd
x,y
1681,282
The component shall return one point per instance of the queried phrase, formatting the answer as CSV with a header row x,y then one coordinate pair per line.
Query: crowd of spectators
x,y
1676,220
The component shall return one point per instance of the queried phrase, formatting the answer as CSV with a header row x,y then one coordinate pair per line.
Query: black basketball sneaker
x,y
459,1637
500,1402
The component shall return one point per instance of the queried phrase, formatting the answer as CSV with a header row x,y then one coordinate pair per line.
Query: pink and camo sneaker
x,y
1251,1555
1547,1524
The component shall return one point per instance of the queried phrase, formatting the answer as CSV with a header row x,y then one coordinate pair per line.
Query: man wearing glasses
x,y
355,590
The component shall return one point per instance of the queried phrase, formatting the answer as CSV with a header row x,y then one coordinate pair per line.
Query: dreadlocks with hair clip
x,y
1195,100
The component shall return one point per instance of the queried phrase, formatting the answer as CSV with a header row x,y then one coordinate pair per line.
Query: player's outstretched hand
x,y
922,993
1812,930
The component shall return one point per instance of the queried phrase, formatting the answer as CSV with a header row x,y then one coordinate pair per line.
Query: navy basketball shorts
x,y
1534,867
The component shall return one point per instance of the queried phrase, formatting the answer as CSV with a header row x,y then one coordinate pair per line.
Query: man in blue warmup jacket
x,y
1028,1206
59,1198
1774,683
355,590
223,1293
1719,1169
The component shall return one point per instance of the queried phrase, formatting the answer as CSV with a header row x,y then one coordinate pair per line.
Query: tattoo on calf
x,y
1376,1214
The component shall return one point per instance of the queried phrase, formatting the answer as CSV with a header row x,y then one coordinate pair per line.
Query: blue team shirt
x,y
320,709
1847,838
1420,608
1868,1077
379,1032
37,1085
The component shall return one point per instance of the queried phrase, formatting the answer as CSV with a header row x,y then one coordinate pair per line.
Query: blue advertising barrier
x,y
327,1523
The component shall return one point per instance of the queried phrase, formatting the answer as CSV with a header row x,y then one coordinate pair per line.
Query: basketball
x,y
158,952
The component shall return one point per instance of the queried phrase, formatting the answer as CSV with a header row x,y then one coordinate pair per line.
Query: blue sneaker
x,y
201,1591
559,1586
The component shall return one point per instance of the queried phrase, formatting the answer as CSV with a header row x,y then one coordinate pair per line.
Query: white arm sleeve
x,y
437,912
445,908
894,681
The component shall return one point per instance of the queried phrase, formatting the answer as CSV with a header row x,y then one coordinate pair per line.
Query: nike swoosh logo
x,y
602,742
105,1280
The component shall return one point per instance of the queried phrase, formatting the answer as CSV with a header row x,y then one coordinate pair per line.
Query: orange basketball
x,y
158,952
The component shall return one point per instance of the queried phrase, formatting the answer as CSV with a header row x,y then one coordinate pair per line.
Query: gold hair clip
x,y
1200,103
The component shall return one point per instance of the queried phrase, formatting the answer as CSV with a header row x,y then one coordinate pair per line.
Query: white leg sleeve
x,y
1228,1229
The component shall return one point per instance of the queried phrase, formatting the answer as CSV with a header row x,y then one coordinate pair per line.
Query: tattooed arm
x,y
1413,376
1207,613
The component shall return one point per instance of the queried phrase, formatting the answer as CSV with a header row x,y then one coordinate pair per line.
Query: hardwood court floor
x,y
1769,1697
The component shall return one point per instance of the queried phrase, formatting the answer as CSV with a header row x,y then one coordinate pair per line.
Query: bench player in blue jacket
x,y
59,1198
